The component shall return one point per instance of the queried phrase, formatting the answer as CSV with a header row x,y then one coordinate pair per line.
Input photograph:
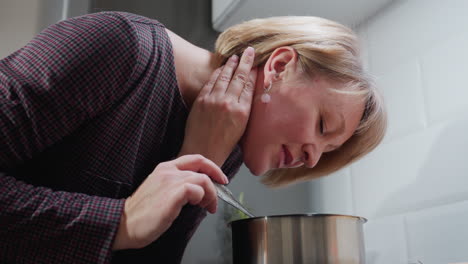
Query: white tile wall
x,y
385,240
385,179
406,114
414,187
332,194
444,72
439,235
410,27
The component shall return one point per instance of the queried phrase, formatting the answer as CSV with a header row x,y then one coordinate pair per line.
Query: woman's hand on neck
x,y
193,66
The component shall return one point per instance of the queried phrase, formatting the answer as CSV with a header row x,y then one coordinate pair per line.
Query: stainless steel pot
x,y
297,239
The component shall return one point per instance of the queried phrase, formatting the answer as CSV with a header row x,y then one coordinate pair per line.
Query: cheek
x,y
258,143
255,139
276,124
301,129
295,125
254,156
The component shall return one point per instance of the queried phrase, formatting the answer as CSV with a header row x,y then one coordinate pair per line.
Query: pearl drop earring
x,y
266,98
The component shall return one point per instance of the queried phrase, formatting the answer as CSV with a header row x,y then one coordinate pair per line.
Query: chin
x,y
254,168
257,166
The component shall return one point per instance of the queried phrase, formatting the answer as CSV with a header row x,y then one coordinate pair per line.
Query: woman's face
x,y
304,119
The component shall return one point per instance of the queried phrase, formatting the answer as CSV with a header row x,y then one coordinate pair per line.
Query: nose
x,y
311,155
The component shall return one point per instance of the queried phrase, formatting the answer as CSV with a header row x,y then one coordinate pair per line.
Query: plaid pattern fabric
x,y
88,108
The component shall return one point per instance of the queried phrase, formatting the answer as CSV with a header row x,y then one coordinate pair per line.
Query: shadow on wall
x,y
50,12
443,176
189,19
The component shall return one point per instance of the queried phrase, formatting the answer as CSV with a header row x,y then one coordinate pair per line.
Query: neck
x,y
194,67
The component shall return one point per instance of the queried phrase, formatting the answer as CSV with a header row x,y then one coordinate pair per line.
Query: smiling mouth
x,y
288,158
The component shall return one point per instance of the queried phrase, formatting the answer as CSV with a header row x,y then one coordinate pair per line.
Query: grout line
x,y
367,47
422,92
309,194
406,234
351,186
65,6
434,204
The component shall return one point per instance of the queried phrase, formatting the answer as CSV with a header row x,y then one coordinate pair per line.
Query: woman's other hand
x,y
220,113
150,211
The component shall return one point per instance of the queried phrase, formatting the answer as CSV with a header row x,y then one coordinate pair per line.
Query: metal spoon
x,y
226,195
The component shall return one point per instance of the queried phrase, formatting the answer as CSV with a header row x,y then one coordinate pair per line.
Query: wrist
x,y
122,238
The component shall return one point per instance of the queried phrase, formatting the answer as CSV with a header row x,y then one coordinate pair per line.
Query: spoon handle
x,y
226,195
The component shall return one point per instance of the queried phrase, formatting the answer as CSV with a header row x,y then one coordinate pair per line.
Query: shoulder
x,y
111,23
117,18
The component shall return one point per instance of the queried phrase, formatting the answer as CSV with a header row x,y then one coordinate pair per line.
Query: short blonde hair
x,y
324,48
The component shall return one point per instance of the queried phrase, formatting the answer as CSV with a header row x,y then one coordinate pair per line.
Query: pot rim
x,y
363,219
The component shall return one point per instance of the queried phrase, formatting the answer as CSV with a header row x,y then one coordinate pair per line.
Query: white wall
x,y
21,20
18,24
414,187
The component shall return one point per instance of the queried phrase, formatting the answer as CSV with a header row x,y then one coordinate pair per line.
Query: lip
x,y
288,156
282,157
296,164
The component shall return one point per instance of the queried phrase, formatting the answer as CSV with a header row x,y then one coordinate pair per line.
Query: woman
x,y
114,129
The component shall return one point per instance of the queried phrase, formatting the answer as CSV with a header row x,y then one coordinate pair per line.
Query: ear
x,y
279,64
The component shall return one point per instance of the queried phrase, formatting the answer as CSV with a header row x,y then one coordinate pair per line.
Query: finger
x,y
192,194
241,76
247,93
225,76
210,198
198,163
208,87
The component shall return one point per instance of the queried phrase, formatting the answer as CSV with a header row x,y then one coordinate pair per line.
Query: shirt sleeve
x,y
68,74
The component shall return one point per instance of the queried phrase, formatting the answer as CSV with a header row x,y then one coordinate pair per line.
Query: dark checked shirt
x,y
88,108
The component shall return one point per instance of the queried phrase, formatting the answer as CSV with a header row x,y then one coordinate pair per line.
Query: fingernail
x,y
234,58
226,180
249,51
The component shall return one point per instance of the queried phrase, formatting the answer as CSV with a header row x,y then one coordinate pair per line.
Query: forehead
x,y
336,94
339,103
